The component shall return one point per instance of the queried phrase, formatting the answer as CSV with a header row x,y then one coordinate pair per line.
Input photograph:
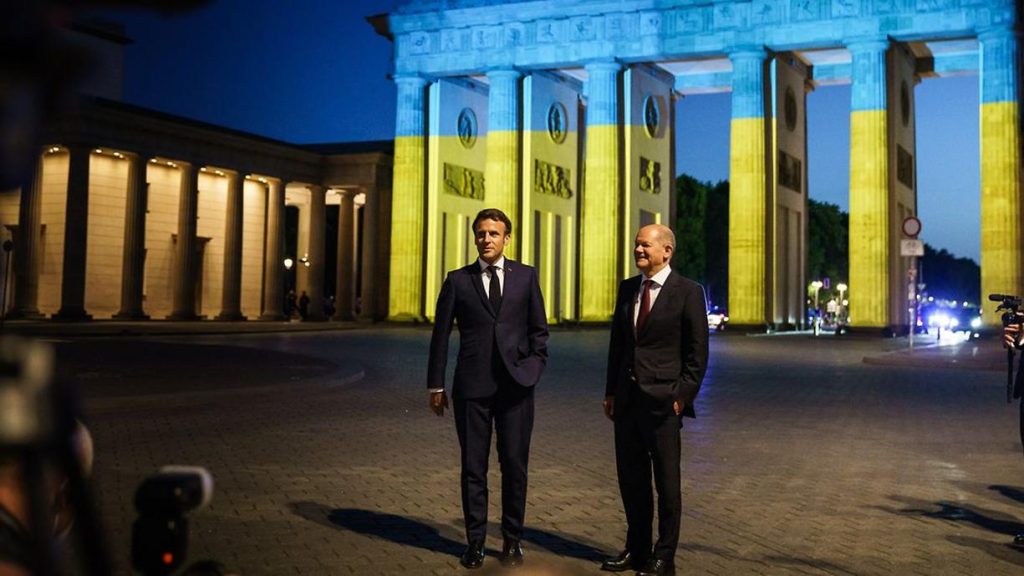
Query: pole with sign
x,y
911,247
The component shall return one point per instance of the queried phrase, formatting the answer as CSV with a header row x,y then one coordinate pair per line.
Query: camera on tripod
x,y
1010,308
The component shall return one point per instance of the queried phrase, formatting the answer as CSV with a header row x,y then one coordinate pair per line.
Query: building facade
x,y
561,114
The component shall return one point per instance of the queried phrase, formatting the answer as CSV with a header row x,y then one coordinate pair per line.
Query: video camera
x,y
1010,308
1011,314
160,534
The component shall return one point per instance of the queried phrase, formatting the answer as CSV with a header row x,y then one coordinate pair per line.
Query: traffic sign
x,y
911,247
911,227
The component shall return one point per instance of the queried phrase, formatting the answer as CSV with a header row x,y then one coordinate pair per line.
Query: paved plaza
x,y
805,459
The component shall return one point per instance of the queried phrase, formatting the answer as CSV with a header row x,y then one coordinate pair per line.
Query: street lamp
x,y
842,301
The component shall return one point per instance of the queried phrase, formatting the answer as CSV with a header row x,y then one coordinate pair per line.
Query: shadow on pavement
x,y
1011,492
1004,552
390,527
563,546
427,535
991,520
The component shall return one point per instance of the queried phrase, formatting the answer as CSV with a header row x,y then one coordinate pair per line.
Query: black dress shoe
x,y
1018,541
511,554
473,557
656,567
624,561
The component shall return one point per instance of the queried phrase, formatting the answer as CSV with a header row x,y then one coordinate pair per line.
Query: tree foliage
x,y
702,235
828,230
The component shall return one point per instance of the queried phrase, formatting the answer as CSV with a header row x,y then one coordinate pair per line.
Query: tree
x,y
702,235
828,229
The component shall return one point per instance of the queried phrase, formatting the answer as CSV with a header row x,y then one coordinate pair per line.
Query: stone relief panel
x,y
550,31
486,38
515,35
732,15
932,5
790,171
845,8
464,182
905,167
802,10
419,43
690,21
650,176
582,29
551,179
765,12
452,40
650,23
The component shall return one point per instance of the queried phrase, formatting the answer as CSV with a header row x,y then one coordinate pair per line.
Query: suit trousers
x,y
510,413
646,444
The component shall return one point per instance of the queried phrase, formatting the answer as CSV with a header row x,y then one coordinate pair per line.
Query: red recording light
x,y
168,558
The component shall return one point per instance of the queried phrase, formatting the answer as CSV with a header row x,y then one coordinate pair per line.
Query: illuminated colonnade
x,y
130,220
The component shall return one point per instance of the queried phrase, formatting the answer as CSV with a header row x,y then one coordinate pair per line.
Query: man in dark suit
x,y
656,362
503,337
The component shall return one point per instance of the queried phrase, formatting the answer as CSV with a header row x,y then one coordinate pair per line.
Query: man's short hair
x,y
493,214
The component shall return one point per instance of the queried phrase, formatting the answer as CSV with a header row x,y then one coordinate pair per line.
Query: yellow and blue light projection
x,y
748,183
1001,216
599,214
502,169
869,187
405,301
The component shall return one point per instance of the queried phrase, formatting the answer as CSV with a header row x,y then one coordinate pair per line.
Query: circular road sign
x,y
911,227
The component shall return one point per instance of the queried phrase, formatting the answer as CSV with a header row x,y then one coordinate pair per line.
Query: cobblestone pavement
x,y
804,459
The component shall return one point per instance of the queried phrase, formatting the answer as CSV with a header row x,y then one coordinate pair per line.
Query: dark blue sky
x,y
316,72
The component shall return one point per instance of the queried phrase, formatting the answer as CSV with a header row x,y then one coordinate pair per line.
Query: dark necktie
x,y
645,306
494,290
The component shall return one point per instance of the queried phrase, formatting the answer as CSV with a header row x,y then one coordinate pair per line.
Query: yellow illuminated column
x,y
405,300
748,191
600,220
1000,167
273,257
501,172
869,187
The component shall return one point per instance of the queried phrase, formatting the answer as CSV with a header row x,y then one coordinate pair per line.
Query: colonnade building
x,y
134,214
561,114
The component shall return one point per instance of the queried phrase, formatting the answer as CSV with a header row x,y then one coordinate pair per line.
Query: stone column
x,y
371,276
748,191
317,231
405,299
1001,206
27,246
76,235
600,218
502,170
133,258
344,302
273,266
184,306
231,300
869,186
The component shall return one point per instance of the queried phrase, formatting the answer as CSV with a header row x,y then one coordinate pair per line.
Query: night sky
x,y
317,72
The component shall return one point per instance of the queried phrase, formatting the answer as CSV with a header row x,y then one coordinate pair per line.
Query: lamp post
x,y
815,287
841,287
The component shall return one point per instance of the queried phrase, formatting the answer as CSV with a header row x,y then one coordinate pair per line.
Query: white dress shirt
x,y
657,281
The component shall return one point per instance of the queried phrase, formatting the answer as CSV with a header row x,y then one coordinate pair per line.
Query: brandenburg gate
x,y
561,113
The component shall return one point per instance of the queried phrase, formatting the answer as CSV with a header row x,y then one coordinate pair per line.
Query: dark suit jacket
x,y
669,357
519,331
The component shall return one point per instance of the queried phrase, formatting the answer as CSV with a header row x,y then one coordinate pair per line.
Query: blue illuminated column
x,y
405,300
600,219
748,190
1001,206
501,172
869,186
